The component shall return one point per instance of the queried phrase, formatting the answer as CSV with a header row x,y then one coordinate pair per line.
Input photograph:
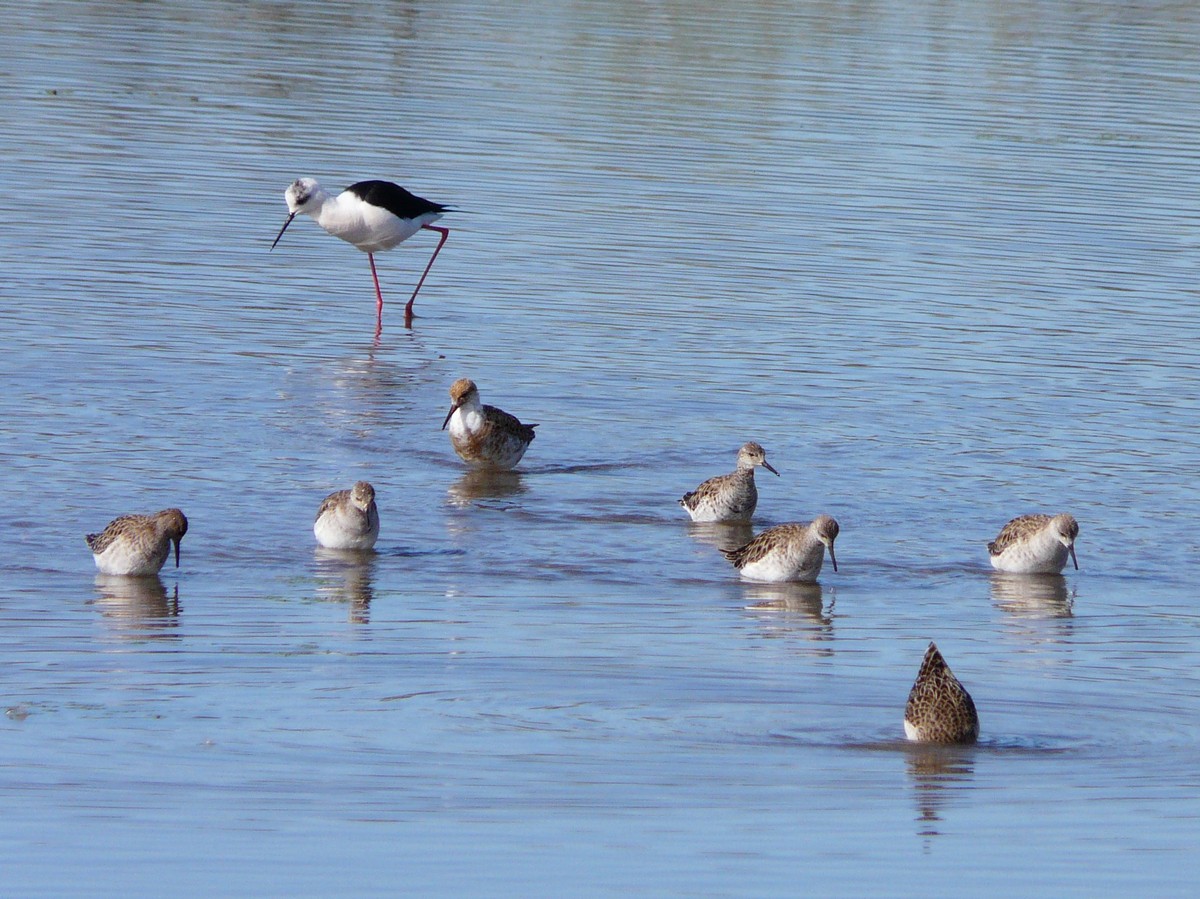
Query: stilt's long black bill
x,y
284,228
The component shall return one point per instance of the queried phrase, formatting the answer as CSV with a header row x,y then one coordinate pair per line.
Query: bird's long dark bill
x,y
767,466
833,558
453,409
1071,550
176,553
284,228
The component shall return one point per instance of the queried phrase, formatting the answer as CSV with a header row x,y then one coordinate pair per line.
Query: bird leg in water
x,y
408,310
378,297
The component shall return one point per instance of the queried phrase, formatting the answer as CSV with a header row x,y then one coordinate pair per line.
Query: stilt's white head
x,y
302,195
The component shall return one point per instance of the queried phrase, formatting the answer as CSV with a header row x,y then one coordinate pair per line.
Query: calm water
x,y
941,260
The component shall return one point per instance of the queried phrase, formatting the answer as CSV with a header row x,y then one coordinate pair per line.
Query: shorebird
x,y
484,436
372,215
348,519
729,497
787,552
138,544
1035,544
939,708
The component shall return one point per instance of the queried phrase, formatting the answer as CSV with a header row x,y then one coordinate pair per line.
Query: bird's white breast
x,y
1043,553
465,422
370,228
344,527
785,564
125,557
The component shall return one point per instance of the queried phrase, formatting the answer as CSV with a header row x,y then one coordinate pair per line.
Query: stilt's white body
x,y
348,519
370,228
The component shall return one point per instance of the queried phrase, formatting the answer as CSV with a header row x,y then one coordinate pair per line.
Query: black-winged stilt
x,y
372,215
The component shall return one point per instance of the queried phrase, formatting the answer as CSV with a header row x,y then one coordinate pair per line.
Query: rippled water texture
x,y
940,260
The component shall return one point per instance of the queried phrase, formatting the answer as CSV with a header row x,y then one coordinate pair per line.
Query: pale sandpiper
x,y
138,545
484,436
787,552
939,709
348,519
729,497
1035,544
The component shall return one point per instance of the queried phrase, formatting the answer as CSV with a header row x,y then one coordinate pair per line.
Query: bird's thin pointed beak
x,y
284,228
453,409
176,553
1071,550
832,557
769,467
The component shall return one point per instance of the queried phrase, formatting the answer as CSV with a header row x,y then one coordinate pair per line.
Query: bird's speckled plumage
x,y
1035,544
787,552
138,545
939,708
729,497
348,519
484,436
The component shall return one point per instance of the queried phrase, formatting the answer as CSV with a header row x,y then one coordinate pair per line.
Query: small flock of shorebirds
x,y
379,215
939,708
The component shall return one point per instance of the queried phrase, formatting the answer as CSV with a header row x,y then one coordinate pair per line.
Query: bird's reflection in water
x,y
721,534
345,575
936,772
485,484
791,609
137,606
364,393
1032,595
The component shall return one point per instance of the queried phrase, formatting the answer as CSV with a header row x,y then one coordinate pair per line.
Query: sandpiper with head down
x,y
729,497
138,545
939,708
348,519
787,552
484,436
1035,544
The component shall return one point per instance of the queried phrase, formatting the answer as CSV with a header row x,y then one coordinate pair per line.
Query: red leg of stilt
x,y
445,232
378,297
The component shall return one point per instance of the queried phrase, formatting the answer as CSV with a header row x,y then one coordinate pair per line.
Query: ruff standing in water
x,y
348,519
138,544
787,552
484,436
729,497
1035,544
939,708
372,215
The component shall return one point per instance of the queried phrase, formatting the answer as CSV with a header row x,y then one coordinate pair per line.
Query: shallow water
x,y
940,262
